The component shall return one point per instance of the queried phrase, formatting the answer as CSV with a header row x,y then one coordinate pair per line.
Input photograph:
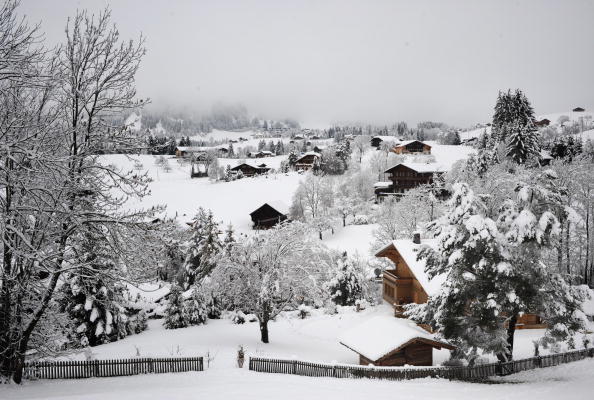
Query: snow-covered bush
x,y
194,309
303,311
237,317
347,282
361,219
174,314
361,304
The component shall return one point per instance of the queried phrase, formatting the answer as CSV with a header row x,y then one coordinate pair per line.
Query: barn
x,y
250,170
269,214
412,146
392,342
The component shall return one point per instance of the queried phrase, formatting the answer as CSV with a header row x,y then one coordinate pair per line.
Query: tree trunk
x,y
343,221
264,331
511,330
567,238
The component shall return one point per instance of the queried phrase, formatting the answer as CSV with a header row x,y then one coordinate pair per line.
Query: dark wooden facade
x,y
578,109
267,216
416,146
250,170
405,178
307,161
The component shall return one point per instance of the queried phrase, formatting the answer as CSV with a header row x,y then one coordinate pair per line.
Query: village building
x,y
406,176
579,109
543,122
250,170
188,151
261,154
269,214
307,161
412,146
376,141
408,282
392,342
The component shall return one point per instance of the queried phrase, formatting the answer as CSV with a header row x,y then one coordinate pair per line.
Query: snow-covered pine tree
x,y
194,309
203,247
229,238
174,311
522,143
347,282
92,298
494,272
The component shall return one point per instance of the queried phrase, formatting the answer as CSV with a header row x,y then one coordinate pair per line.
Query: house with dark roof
x,y
579,109
250,170
269,214
406,176
307,161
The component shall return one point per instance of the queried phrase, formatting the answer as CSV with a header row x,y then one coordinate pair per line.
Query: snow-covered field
x,y
314,338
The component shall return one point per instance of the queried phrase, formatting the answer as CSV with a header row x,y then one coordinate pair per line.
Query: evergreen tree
x,y
292,158
231,152
194,309
494,272
271,146
229,239
203,247
174,313
347,284
92,298
261,145
522,143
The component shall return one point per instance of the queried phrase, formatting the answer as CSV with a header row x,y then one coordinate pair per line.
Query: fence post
x,y
294,367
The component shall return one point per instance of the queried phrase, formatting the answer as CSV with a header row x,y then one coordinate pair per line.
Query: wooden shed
x,y
269,214
391,342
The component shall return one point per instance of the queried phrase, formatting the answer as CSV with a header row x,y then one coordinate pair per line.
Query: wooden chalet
x,y
261,154
188,151
307,161
392,342
251,170
406,176
269,214
408,282
579,109
412,146
376,141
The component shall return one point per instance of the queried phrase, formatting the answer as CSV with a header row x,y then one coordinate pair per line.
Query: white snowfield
x,y
568,382
314,338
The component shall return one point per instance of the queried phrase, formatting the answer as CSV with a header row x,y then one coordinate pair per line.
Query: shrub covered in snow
x,y
174,313
347,282
361,219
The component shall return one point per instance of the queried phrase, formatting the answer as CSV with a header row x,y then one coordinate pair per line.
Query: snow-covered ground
x,y
314,338
569,382
354,239
231,202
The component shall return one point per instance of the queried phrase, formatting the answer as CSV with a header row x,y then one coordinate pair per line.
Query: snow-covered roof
x,y
382,184
279,206
411,141
387,138
381,335
421,167
190,149
408,250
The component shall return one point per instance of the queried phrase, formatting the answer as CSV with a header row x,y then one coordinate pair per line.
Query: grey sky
x,y
369,61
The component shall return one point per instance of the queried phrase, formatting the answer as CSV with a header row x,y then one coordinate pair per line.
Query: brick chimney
x,y
416,238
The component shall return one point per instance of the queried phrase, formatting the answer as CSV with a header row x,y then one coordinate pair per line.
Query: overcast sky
x,y
368,61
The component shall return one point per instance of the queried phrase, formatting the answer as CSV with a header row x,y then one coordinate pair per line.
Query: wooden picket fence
x,y
477,372
106,368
